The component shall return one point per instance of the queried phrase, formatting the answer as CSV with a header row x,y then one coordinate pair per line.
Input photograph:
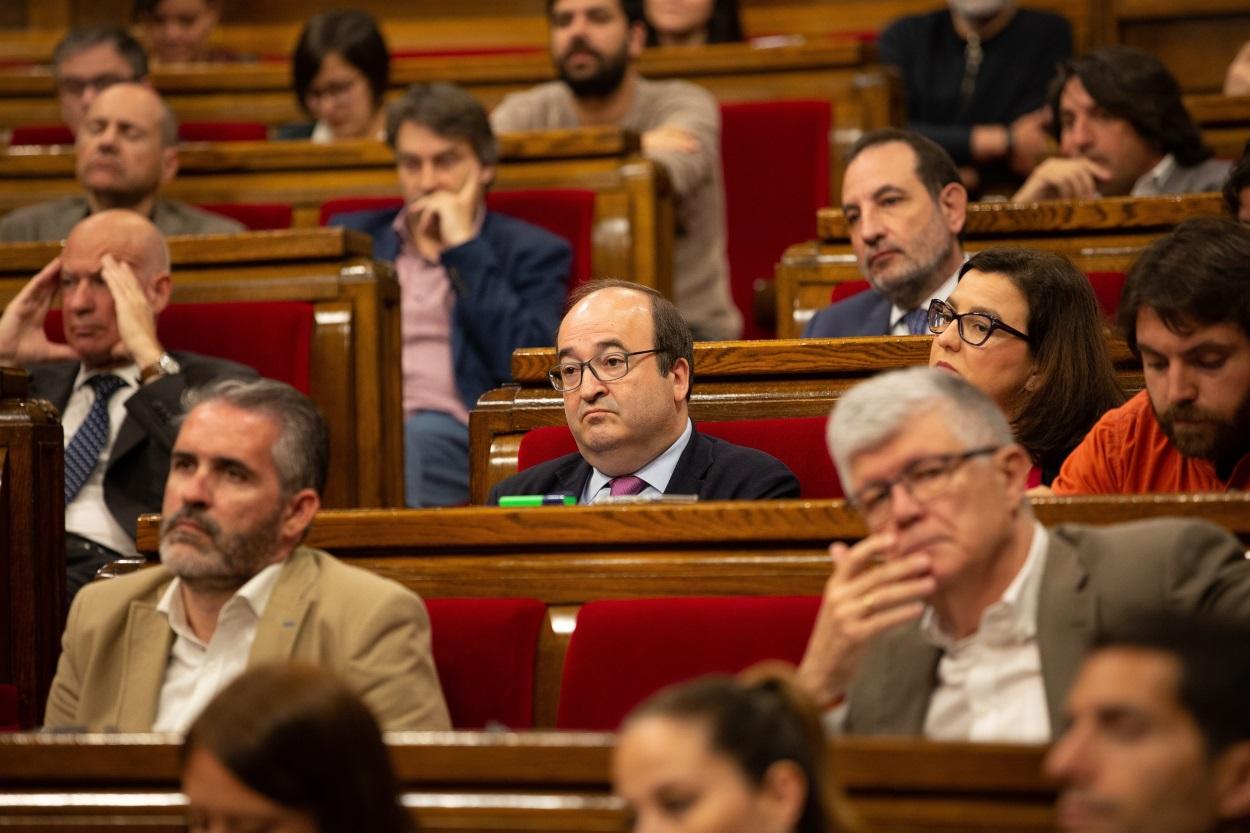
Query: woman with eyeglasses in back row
x,y
1023,326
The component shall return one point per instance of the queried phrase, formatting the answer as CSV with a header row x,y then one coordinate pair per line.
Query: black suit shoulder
x,y
866,313
563,475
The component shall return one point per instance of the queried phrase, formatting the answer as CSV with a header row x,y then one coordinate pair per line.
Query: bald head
x,y
127,236
143,105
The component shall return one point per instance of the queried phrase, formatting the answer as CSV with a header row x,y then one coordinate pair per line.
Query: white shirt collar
x,y
128,373
657,473
941,293
1013,618
254,595
1151,182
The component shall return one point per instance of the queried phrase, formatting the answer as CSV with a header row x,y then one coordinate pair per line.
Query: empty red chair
x,y
222,131
255,216
623,651
775,157
485,651
799,442
41,134
272,337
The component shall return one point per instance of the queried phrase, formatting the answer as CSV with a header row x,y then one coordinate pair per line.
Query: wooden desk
x,y
733,380
355,375
547,781
1098,235
634,223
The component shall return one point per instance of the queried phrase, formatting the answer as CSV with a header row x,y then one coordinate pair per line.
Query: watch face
x,y
168,364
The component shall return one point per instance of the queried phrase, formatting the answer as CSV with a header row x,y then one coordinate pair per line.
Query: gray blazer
x,y
1195,179
1094,580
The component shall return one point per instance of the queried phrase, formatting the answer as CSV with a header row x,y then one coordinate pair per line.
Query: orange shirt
x,y
1126,452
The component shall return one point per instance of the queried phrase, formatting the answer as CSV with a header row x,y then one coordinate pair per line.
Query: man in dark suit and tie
x,y
624,364
959,616
904,204
118,390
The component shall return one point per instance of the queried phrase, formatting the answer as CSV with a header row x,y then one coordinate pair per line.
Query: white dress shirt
x,y
86,514
898,326
989,686
1150,184
197,671
656,474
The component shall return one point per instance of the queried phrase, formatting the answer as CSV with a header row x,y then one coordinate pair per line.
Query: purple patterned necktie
x,y
82,454
627,485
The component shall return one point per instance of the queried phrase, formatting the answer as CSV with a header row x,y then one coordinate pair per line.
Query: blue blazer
x,y
866,313
510,283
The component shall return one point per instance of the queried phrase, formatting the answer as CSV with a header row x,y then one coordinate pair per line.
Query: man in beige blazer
x,y
959,616
148,650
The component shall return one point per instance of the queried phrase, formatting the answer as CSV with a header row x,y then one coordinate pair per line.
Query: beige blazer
x,y
1095,580
371,631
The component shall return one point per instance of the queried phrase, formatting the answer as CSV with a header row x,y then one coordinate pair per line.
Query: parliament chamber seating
x,y
775,156
625,650
194,131
799,442
255,216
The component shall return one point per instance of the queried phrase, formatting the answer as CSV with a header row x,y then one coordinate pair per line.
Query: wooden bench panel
x,y
633,224
1098,235
733,380
355,379
545,781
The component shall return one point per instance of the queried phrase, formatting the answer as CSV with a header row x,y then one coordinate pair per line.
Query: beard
x,y
1214,438
223,562
604,80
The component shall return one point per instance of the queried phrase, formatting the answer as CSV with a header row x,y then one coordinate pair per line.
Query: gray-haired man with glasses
x,y
959,616
625,360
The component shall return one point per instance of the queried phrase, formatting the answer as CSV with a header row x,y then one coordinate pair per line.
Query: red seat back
x,y
623,651
485,650
41,134
255,216
799,442
346,205
272,337
846,289
775,157
1108,287
222,131
9,721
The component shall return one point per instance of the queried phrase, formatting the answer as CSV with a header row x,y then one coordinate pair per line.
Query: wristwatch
x,y
164,366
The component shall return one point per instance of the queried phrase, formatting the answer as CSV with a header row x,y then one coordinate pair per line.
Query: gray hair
x,y
878,410
302,452
82,39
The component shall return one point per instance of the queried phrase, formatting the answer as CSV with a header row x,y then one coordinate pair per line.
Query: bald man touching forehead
x,y
117,388
126,149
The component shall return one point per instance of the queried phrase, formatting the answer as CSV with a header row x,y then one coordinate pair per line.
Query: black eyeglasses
x,y
606,367
924,479
974,327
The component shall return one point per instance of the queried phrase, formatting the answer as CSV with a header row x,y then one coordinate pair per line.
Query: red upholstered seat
x,y
775,158
485,650
255,216
623,651
8,708
799,442
846,289
465,51
41,134
1108,287
346,205
223,131
272,337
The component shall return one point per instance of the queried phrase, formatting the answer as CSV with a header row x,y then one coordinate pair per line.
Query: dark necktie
x,y
917,321
627,485
83,452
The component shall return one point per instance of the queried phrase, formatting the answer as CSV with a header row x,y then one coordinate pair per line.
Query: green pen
x,y
537,500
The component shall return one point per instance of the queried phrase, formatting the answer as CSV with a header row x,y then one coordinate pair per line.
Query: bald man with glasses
x,y
625,365
959,617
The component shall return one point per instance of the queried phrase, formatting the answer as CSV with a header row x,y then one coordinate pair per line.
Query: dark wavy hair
x,y
1135,86
349,33
297,735
1238,180
1076,379
724,25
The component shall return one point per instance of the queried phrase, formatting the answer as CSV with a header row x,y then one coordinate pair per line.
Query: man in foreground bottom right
x,y
1158,735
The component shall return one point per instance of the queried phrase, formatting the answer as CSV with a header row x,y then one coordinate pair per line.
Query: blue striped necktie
x,y
83,452
917,321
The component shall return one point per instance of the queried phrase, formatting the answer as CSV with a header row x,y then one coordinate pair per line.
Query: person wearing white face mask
x,y
976,76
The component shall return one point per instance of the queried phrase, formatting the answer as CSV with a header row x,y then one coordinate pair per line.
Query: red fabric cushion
x,y
799,442
255,216
8,708
623,651
222,131
346,205
1108,287
41,134
485,650
568,213
400,54
272,337
846,289
775,157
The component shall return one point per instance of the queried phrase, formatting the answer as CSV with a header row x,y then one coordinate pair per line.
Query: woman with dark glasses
x,y
1023,326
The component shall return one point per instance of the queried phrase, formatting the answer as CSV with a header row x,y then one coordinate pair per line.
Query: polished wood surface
x,y
733,380
32,544
1097,235
1224,120
1196,39
355,377
633,231
543,781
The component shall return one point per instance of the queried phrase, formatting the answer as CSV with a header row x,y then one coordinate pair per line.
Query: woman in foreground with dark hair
x,y
289,749
692,22
1023,326
726,755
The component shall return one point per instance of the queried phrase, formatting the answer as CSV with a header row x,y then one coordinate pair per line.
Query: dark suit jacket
x,y
710,467
510,283
1095,579
134,482
866,313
